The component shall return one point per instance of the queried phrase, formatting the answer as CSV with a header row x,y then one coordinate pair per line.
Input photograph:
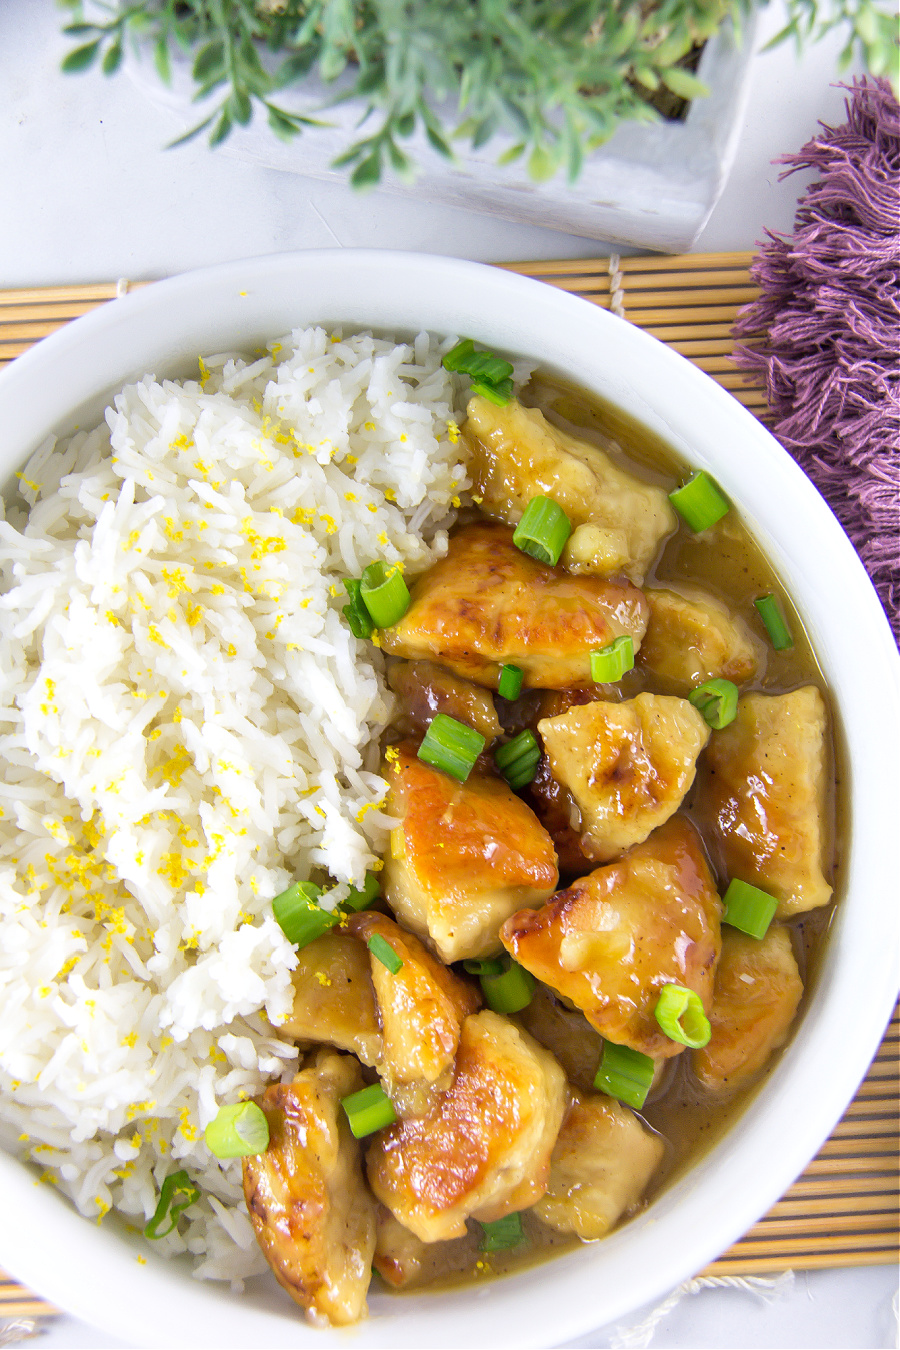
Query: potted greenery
x,y
612,118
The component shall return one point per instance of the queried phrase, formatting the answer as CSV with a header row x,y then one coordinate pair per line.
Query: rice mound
x,y
187,726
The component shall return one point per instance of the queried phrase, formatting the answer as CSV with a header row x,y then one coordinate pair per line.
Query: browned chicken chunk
x,y
757,990
517,454
601,1166
487,604
692,637
566,1033
311,1210
764,789
627,765
466,856
425,689
611,941
484,1148
421,1008
334,1000
399,1255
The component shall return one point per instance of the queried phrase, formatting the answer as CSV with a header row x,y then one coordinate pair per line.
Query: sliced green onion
x,y
368,1110
502,1234
359,620
748,908
717,700
458,356
382,950
510,685
489,368
772,617
451,746
238,1131
699,502
518,759
299,915
384,593
495,393
681,1016
625,1073
510,991
543,530
610,663
175,1195
492,965
359,899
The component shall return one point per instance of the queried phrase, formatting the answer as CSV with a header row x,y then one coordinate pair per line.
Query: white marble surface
x,y
89,194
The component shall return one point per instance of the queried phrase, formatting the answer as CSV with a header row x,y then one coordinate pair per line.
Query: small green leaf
x,y
209,62
222,129
405,125
161,60
367,173
542,164
240,107
647,77
283,127
513,153
81,58
79,29
112,59
683,83
438,143
190,135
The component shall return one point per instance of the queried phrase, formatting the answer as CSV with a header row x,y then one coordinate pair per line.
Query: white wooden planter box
x,y
652,186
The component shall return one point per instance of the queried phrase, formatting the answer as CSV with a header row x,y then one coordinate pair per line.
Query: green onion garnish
x,y
699,502
625,1073
748,908
384,593
362,898
382,950
175,1195
543,530
298,914
368,1110
492,965
510,685
238,1131
510,991
491,376
610,663
518,759
359,620
502,1234
451,746
772,617
680,1013
717,700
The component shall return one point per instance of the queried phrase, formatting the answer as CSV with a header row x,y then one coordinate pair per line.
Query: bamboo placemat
x,y
843,1210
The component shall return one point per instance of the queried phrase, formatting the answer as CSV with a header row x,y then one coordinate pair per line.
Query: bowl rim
x,y
684,1229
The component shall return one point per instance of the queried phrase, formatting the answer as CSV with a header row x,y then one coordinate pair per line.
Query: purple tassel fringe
x,y
826,330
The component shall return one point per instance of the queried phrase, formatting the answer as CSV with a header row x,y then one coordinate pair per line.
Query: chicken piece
x,y
484,1148
517,454
466,856
601,1166
692,637
555,808
334,1000
421,1008
425,689
611,941
487,604
399,1254
765,790
757,990
306,1195
566,1033
627,765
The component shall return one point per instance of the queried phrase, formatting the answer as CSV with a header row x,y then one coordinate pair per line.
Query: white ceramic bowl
x,y
94,1272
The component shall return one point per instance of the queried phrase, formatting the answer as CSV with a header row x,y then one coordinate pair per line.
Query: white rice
x,y
187,725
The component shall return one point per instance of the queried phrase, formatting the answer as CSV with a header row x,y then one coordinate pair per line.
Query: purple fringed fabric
x,y
826,330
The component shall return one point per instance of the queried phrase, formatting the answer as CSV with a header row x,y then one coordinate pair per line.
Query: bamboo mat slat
x,y
843,1210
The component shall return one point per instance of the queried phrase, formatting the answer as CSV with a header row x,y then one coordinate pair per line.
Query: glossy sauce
x,y
726,562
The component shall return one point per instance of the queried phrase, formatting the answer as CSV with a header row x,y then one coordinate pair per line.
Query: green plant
x,y
560,76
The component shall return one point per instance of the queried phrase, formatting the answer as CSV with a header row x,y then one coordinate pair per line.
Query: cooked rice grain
x,y
187,725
